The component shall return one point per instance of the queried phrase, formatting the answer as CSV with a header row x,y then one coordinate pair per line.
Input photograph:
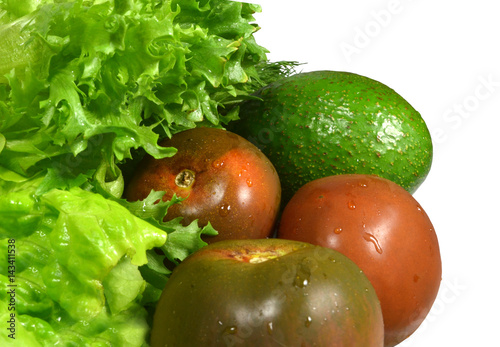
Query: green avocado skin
x,y
316,124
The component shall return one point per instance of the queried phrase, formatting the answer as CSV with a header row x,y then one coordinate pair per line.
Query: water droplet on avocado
x,y
370,238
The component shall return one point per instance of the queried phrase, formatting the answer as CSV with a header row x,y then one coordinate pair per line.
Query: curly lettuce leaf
x,y
74,73
88,84
181,241
86,88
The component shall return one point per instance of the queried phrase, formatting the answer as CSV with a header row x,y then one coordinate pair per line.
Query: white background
x,y
444,58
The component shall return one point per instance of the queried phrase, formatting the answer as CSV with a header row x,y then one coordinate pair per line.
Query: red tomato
x,y
225,179
384,230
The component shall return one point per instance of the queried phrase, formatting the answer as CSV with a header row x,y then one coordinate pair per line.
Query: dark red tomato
x,y
225,179
384,230
267,292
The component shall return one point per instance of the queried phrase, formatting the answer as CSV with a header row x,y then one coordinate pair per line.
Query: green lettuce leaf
x,y
76,267
76,74
87,87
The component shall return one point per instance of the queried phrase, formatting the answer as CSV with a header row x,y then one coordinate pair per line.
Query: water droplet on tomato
x,y
270,328
216,164
337,230
224,210
351,205
243,172
249,182
303,273
301,281
308,321
231,330
370,238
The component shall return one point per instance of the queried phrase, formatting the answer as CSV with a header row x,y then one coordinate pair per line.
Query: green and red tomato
x,y
267,292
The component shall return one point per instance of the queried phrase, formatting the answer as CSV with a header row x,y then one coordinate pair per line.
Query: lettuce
x,y
76,267
97,80
87,87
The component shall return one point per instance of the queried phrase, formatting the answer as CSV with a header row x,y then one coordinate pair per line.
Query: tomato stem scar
x,y
185,178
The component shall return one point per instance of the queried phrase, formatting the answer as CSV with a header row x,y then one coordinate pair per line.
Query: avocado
x,y
321,123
